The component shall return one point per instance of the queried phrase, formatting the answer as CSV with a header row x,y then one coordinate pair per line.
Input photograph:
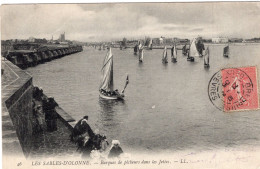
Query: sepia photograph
x,y
130,85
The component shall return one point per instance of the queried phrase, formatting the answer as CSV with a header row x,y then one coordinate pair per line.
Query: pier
x,y
27,55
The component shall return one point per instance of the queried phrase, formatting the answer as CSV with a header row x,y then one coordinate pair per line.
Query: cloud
x,y
95,22
197,29
175,27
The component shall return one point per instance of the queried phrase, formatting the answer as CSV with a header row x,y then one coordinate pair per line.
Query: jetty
x,y
31,54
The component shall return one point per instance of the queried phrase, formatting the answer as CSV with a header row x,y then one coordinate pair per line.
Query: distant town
x,y
26,44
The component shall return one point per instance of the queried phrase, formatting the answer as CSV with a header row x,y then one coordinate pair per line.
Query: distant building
x,y
236,40
31,39
5,46
34,40
26,46
167,41
219,40
181,41
62,37
161,40
64,43
207,40
253,40
156,41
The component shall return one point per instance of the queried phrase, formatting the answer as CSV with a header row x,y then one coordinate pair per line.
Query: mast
x,y
107,81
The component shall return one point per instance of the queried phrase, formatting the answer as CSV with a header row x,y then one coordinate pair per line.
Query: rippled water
x,y
166,107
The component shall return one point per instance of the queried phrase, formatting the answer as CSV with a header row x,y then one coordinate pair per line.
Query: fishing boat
x,y
140,45
141,54
174,54
200,47
135,49
206,58
106,89
184,50
150,45
164,57
226,51
193,52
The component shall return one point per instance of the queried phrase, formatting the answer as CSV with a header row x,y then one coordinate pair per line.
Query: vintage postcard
x,y
130,85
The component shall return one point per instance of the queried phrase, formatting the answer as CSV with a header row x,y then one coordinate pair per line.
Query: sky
x,y
113,21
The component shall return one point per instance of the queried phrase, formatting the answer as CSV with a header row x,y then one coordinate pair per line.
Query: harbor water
x,y
166,107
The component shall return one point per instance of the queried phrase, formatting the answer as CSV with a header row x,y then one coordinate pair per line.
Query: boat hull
x,y
225,55
164,62
111,97
174,60
191,59
206,66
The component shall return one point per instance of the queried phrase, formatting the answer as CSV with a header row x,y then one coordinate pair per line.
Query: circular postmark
x,y
215,90
231,89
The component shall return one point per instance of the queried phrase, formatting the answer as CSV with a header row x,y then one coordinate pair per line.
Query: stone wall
x,y
18,120
16,110
21,115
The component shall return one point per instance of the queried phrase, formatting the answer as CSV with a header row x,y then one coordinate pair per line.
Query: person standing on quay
x,y
38,116
50,114
82,131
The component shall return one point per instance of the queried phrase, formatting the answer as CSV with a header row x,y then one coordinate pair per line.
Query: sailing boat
x,y
141,53
226,51
140,45
200,47
106,90
193,51
206,58
135,49
150,45
164,57
174,53
184,50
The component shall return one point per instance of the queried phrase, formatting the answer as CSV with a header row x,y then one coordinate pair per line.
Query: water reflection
x,y
165,65
140,64
109,114
107,105
206,68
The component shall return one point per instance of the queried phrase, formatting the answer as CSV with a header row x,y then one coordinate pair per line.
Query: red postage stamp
x,y
239,88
